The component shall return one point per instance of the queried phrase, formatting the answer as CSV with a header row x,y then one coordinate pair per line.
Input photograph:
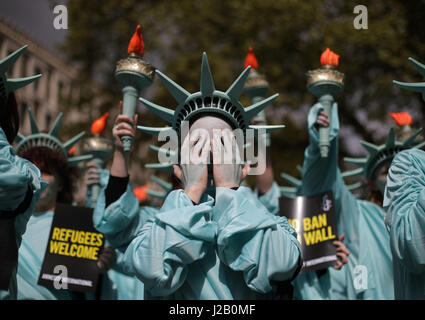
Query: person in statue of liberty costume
x,y
198,246
50,155
369,272
20,180
311,285
315,285
404,202
125,287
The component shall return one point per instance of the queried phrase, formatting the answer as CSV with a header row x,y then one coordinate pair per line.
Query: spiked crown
x,y
49,140
418,86
379,155
296,184
165,186
208,99
9,85
167,166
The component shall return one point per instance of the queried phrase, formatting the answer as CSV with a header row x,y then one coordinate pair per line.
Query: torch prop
x,y
326,83
256,85
134,75
256,88
101,149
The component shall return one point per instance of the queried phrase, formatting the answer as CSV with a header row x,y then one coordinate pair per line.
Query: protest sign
x,y
74,246
314,220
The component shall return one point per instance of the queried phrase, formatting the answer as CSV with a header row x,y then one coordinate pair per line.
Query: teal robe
x,y
125,286
308,286
405,204
24,175
234,249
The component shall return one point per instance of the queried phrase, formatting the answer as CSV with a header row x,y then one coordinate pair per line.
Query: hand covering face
x,y
194,154
227,160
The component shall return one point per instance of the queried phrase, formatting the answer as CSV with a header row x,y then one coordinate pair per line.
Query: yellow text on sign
x,y
315,229
76,243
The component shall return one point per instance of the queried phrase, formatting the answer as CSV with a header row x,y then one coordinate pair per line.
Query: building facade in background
x,y
57,90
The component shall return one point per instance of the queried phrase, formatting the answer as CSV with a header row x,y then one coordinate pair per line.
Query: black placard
x,y
8,249
72,251
315,221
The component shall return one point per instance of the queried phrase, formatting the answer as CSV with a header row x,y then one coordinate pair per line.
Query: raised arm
x,y
322,174
117,212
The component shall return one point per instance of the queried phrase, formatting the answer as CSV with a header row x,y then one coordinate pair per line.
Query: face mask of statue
x,y
210,129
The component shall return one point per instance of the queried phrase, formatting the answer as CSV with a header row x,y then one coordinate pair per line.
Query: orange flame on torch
x,y
99,124
329,57
401,118
136,44
72,151
251,60
140,192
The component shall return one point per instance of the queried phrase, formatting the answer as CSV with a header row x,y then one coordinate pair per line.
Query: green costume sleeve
x,y
322,174
247,233
405,204
16,176
168,242
183,249
122,219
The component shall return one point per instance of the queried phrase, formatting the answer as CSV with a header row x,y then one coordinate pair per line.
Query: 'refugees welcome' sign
x,y
72,251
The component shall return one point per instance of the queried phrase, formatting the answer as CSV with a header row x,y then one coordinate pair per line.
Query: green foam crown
x,y
208,99
9,85
380,155
49,140
418,86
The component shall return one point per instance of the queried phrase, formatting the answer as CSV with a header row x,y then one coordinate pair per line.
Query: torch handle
x,y
95,191
95,188
130,96
324,144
